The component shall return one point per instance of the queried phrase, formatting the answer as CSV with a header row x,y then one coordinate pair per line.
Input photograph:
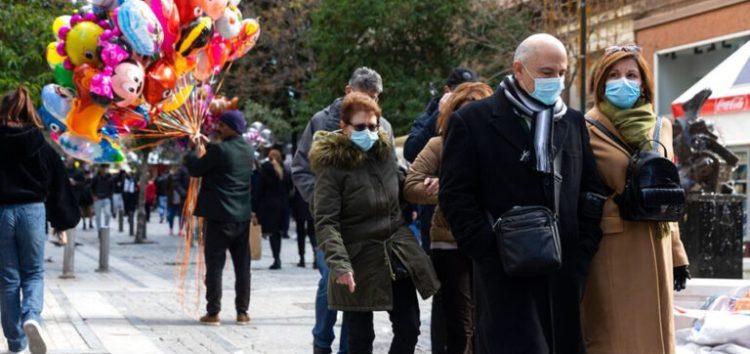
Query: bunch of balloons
x,y
118,62
258,135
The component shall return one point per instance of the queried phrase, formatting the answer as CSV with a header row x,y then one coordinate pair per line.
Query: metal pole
x,y
103,250
584,51
69,256
120,221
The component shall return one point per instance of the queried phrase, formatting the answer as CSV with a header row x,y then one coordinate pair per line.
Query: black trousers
x,y
454,272
404,321
275,240
305,227
221,237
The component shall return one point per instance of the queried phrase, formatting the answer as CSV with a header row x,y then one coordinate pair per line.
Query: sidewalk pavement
x,y
135,307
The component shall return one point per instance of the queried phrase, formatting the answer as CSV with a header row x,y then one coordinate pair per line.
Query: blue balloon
x,y
140,27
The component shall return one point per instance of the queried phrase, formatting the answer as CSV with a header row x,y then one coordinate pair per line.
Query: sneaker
x,y
210,320
243,318
34,332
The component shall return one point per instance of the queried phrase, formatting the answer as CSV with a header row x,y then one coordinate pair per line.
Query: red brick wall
x,y
719,22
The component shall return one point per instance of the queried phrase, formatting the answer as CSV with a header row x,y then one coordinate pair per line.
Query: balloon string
x,y
221,82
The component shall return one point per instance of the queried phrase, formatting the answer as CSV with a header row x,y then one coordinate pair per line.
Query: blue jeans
x,y
22,240
162,204
325,319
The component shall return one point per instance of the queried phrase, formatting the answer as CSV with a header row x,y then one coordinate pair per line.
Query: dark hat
x,y
235,120
460,75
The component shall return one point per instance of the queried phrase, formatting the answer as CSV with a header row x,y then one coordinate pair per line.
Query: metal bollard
x,y
103,250
131,223
120,221
69,256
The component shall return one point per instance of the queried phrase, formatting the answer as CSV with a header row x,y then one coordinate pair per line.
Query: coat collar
x,y
334,149
598,116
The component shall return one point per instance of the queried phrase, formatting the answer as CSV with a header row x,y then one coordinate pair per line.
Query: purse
x,y
528,238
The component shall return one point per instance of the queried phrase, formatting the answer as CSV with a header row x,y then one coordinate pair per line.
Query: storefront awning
x,y
730,83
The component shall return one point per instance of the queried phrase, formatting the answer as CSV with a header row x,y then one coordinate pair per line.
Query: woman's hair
x,y
610,58
357,102
464,93
17,108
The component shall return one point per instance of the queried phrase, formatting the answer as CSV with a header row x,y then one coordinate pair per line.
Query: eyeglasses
x,y
630,48
363,126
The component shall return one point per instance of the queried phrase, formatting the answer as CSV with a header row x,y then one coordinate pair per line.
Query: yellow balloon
x,y
178,99
60,22
53,58
183,65
81,42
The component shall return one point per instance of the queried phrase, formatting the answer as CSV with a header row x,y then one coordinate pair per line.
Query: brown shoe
x,y
211,320
243,318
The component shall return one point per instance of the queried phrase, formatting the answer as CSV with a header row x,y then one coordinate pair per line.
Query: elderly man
x,y
363,80
224,201
500,153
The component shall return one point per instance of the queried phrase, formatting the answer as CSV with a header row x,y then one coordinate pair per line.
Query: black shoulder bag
x,y
527,236
652,183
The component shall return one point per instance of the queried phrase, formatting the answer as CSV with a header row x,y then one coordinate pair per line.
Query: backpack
x,y
652,184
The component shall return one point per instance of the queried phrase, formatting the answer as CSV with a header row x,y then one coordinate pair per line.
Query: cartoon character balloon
x,y
167,14
161,80
56,103
78,43
230,24
140,27
195,36
213,8
246,40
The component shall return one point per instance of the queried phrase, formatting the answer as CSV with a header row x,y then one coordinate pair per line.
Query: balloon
x,y
85,115
81,41
203,69
218,52
57,100
60,22
221,104
257,125
125,119
246,40
178,99
213,8
53,57
161,80
63,76
140,27
230,24
188,10
234,3
183,65
167,14
108,5
55,126
105,150
113,53
127,83
195,36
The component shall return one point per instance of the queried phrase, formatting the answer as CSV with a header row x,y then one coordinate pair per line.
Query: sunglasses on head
x,y
630,48
363,126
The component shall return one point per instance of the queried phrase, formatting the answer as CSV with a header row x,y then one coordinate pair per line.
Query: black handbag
x,y
527,237
652,183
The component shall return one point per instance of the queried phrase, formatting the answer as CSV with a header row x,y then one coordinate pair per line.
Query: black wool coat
x,y
483,171
271,198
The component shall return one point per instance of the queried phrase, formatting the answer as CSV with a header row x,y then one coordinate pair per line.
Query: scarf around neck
x,y
635,124
543,118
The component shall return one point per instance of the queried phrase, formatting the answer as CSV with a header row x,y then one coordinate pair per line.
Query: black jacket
x,y
422,130
32,172
102,186
271,197
482,171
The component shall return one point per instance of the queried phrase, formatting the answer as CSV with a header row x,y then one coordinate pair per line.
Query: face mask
x,y
623,93
364,139
547,90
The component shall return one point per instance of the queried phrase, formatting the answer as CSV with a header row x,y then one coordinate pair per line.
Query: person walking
x,y
453,267
150,198
86,203
161,195
305,228
176,193
118,200
224,202
522,147
363,80
34,187
270,199
375,262
627,305
102,186
130,194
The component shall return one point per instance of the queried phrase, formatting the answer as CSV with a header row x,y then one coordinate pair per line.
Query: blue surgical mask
x,y
623,93
364,139
547,90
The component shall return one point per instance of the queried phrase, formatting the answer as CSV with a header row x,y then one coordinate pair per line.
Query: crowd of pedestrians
x,y
523,239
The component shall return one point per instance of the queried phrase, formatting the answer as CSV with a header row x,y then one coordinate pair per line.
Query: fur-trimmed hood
x,y
334,149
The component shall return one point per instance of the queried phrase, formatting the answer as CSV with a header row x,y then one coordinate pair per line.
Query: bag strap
x,y
609,134
558,180
657,133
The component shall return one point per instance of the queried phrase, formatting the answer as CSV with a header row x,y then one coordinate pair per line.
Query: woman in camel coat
x,y
627,304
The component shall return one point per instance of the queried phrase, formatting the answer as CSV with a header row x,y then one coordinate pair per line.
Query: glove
x,y
681,275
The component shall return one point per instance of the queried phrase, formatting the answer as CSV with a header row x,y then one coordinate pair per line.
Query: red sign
x,y
716,106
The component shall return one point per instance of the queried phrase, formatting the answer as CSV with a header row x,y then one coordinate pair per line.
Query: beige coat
x,y
427,164
627,304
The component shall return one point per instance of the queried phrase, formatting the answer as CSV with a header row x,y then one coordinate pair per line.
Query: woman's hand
x,y
348,280
432,185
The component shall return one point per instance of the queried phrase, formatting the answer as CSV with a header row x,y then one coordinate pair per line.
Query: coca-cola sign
x,y
730,104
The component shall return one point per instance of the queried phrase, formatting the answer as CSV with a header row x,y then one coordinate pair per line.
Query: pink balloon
x,y
169,17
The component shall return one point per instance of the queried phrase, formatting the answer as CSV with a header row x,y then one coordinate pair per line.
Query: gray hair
x,y
366,80
529,46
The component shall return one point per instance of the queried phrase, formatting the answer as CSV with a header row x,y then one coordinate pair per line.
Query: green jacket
x,y
226,170
358,223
